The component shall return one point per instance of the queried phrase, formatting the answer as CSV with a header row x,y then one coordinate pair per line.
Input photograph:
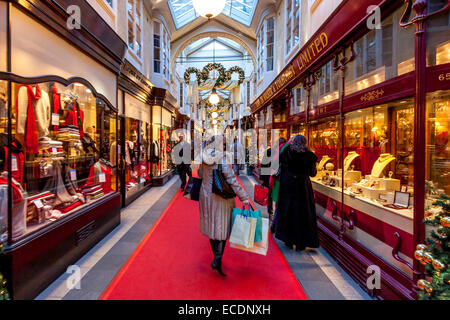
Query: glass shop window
x,y
136,155
378,152
324,141
298,129
62,152
438,35
437,166
381,54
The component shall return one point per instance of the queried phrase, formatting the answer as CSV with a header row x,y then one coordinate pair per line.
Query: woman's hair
x,y
298,143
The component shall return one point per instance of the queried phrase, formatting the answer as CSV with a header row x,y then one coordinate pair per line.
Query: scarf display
x,y
31,144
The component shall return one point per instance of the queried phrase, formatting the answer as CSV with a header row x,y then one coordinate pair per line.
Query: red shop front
x,y
375,110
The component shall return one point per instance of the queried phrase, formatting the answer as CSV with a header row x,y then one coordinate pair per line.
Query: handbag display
x,y
243,231
220,184
261,195
192,190
258,247
252,214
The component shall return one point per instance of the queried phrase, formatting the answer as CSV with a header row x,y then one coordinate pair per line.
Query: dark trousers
x,y
183,170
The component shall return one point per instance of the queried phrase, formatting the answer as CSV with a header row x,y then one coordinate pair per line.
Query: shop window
x,y
298,129
324,141
63,153
326,87
134,27
181,95
136,145
162,142
438,35
437,167
378,153
381,54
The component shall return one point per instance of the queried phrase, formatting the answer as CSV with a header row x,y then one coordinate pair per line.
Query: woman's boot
x,y
217,262
213,246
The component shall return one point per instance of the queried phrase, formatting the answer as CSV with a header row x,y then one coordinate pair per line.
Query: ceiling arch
x,y
212,34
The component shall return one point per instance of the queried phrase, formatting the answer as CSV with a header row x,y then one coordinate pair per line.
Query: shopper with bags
x,y
184,161
267,163
296,222
216,211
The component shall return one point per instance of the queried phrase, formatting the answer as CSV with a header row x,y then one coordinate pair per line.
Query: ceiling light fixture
x,y
214,115
214,98
208,8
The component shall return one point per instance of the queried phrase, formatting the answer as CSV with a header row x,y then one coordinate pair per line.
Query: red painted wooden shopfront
x,y
374,105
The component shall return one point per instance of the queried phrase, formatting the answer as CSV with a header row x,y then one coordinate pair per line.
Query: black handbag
x,y
220,184
192,190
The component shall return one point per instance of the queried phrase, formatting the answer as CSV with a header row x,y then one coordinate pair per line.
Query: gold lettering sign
x,y
444,77
306,57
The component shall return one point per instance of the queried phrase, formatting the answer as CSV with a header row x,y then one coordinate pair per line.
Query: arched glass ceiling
x,y
242,11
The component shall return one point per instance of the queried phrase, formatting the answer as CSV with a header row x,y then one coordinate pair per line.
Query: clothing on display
x,y
33,115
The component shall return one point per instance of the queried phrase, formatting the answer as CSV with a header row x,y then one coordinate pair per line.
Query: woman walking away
x,y
296,212
215,211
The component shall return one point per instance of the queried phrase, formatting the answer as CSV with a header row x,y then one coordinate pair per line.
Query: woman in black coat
x,y
296,212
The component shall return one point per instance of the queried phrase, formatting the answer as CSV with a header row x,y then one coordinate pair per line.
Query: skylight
x,y
242,11
182,12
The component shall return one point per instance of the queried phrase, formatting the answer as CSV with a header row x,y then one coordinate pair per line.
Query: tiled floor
x,y
318,274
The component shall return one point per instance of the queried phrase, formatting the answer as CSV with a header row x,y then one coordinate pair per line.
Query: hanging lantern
x,y
208,8
214,97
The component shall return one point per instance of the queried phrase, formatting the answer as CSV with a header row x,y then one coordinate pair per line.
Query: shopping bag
x,y
258,247
276,191
243,231
261,195
192,190
253,214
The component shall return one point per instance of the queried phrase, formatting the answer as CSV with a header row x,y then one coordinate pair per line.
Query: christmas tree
x,y
435,255
4,295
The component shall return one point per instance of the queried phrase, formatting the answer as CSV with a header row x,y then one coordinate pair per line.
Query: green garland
x,y
224,75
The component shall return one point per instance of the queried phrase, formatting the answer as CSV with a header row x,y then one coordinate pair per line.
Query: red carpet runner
x,y
173,263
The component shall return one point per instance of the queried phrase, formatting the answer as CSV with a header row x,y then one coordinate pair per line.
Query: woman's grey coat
x,y
215,211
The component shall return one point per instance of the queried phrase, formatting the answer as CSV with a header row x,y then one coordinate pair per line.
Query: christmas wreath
x,y
187,75
221,79
238,70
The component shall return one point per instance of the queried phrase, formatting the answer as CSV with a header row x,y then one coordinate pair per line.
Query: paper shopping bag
x,y
253,214
258,247
243,231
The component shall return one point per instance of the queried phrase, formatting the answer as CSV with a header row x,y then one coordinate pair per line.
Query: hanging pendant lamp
x,y
214,97
208,8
